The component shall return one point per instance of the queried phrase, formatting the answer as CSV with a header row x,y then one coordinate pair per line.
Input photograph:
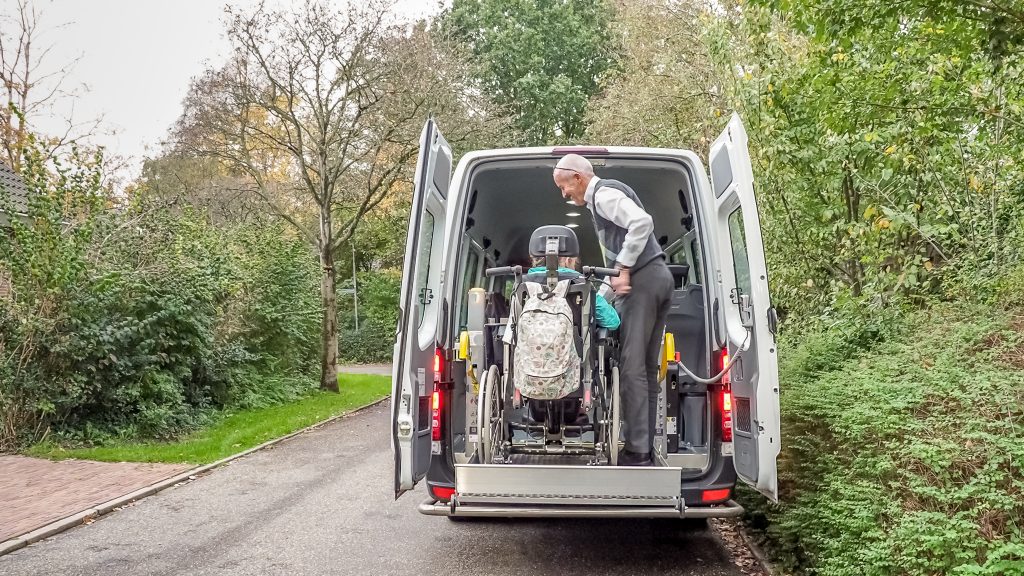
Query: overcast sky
x,y
137,57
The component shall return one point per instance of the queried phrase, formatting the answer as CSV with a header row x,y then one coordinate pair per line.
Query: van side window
x,y
697,265
738,244
469,280
423,273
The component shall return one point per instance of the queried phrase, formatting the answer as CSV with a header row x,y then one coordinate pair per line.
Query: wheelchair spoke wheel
x,y
614,417
490,418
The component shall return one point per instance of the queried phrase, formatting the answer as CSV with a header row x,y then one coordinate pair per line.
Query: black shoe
x,y
629,458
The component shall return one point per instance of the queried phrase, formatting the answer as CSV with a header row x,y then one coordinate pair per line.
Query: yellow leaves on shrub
x,y
974,182
870,137
883,223
928,265
871,211
838,57
890,149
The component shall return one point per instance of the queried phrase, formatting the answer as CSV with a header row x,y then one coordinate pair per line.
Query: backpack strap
x,y
562,289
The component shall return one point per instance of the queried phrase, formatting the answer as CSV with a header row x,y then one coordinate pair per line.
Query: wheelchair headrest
x,y
568,245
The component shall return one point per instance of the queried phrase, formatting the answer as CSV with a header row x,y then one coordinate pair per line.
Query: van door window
x,y
469,280
697,264
738,242
423,293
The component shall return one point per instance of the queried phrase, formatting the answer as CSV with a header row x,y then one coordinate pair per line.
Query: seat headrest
x,y
568,245
680,274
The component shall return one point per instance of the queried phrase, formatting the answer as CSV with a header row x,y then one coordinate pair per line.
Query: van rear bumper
x,y
452,508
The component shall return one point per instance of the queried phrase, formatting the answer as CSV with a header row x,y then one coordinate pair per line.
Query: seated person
x,y
604,313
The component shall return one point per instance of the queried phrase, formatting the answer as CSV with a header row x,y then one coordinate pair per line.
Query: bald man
x,y
643,293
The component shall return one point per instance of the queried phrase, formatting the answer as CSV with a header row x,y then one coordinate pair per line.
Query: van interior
x,y
507,199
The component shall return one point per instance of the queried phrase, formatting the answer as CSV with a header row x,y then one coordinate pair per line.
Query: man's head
x,y
572,175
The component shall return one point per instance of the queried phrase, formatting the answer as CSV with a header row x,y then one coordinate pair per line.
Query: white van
x,y
482,216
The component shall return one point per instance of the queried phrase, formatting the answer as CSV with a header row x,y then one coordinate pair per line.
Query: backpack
x,y
546,364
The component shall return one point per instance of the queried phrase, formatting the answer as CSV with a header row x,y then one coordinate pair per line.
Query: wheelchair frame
x,y
498,397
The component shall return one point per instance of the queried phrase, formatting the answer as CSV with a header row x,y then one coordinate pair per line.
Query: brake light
x,y
581,150
438,362
709,496
726,416
435,414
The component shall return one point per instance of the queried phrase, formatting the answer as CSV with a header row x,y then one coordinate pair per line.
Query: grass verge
x,y
238,430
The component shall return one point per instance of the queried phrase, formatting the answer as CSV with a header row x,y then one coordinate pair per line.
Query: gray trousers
x,y
643,313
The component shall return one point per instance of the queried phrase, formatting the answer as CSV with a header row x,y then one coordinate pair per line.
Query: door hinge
x,y
426,296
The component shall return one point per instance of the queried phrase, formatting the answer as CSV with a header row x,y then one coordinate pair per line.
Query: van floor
x,y
553,460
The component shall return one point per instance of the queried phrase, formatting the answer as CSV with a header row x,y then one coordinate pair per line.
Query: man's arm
x,y
613,205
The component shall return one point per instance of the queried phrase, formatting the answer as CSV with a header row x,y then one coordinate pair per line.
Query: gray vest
x,y
611,234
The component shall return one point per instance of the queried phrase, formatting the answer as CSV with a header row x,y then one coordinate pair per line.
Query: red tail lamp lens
x,y
435,415
726,416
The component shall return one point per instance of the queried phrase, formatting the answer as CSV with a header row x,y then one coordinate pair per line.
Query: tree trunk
x,y
329,331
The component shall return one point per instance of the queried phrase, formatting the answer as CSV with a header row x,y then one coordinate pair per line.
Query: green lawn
x,y
237,431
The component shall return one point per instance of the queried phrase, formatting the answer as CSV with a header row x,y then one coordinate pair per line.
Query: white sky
x,y
137,58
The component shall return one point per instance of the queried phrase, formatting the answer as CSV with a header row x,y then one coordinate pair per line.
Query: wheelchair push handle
x,y
503,271
599,271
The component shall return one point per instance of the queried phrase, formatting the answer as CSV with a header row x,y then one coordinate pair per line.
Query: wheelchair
x,y
583,423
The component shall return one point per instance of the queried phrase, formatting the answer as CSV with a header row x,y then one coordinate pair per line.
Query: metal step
x,y
538,484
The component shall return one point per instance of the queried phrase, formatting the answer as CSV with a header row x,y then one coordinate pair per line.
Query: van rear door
x,y
748,317
419,311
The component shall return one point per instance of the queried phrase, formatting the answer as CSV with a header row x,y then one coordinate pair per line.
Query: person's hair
x,y
575,163
563,262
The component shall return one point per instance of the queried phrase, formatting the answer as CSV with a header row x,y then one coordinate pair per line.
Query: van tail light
x,y
435,414
438,363
726,416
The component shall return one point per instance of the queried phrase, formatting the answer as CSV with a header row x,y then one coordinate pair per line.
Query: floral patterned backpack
x,y
546,365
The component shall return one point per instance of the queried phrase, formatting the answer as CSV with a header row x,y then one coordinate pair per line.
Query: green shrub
x,y
140,322
905,456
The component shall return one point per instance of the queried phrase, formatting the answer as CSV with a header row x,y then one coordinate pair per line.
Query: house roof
x,y
12,186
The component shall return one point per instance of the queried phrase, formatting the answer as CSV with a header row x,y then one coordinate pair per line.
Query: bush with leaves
x,y
903,446
134,321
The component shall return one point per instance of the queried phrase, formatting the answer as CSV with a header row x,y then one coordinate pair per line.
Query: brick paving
x,y
35,492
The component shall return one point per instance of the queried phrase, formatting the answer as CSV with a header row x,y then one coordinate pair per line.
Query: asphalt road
x,y
322,503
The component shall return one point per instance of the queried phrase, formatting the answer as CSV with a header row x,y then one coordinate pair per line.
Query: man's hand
x,y
620,283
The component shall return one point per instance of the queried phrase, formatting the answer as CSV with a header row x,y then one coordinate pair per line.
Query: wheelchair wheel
x,y
615,415
490,420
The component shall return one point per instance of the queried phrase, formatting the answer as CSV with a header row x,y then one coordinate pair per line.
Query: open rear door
x,y
420,311
743,277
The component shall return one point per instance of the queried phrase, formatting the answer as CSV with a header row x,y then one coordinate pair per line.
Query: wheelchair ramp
x,y
566,484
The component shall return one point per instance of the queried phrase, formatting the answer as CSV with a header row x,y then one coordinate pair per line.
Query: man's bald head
x,y
573,174
575,163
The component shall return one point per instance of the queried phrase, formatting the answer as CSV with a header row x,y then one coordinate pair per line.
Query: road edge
x,y
77,519
755,549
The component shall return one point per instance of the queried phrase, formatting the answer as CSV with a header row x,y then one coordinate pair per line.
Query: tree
x,y
321,110
540,59
32,86
668,87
